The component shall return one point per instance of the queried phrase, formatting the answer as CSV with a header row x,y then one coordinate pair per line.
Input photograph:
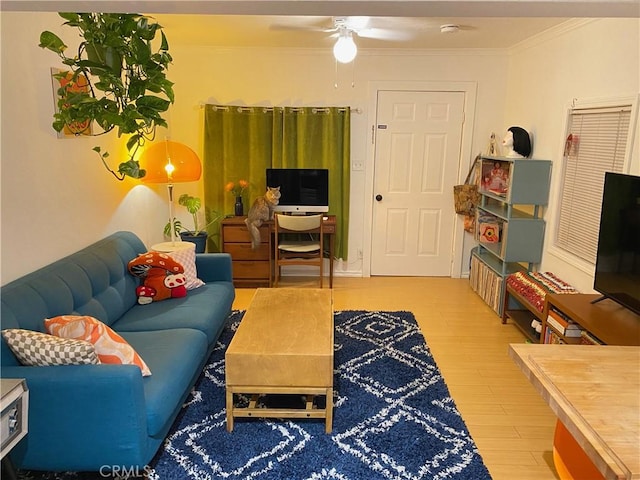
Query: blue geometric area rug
x,y
393,418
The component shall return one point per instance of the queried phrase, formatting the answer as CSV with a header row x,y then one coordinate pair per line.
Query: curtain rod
x,y
246,108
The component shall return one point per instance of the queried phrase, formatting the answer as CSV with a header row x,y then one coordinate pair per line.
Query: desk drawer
x,y
250,269
243,251
239,233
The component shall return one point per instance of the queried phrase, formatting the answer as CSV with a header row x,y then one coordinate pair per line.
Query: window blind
x,y
597,144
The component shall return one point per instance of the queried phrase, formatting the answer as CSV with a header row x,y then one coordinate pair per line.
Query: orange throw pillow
x,y
110,347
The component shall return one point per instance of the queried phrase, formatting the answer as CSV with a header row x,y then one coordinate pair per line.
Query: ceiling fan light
x,y
345,49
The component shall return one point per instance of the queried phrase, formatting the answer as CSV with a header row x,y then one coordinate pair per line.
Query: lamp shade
x,y
170,162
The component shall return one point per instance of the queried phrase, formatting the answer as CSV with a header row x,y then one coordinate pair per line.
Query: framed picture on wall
x,y
63,79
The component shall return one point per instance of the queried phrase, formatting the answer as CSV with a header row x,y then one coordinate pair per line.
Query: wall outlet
x,y
357,166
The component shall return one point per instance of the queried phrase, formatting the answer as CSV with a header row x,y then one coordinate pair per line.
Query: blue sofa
x,y
110,417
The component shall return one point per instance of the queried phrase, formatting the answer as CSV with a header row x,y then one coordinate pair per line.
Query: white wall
x,y
307,77
57,197
588,59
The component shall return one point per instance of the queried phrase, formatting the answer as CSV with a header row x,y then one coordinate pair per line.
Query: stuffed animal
x,y
162,277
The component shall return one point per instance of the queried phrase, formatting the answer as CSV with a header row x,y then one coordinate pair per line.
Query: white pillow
x,y
187,258
40,349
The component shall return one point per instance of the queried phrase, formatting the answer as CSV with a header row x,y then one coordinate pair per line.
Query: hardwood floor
x,y
509,421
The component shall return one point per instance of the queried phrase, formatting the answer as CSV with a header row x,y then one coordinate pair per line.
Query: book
x,y
489,232
563,326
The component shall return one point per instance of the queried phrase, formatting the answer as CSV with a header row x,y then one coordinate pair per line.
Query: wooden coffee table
x,y
284,345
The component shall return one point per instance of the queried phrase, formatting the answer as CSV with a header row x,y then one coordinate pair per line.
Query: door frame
x,y
470,91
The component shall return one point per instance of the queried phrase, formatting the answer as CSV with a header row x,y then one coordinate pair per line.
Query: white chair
x,y
305,249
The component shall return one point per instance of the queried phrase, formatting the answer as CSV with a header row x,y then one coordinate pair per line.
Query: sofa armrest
x,y
214,267
81,416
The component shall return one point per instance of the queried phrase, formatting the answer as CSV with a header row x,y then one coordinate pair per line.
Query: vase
x,y
239,208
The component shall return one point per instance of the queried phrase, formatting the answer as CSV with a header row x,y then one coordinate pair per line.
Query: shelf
x,y
529,180
493,261
522,319
512,192
502,212
608,321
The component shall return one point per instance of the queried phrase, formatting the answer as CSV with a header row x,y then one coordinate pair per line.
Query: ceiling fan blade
x,y
385,34
309,24
300,28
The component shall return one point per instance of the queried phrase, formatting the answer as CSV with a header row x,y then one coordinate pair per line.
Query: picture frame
x,y
75,129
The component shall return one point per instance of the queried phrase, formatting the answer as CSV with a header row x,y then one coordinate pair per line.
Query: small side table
x,y
168,247
14,418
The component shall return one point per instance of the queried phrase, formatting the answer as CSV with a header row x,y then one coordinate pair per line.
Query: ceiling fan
x,y
380,28
345,28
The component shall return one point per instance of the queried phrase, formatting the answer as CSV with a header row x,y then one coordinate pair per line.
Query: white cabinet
x,y
15,407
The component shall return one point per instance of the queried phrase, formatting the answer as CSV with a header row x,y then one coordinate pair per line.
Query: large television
x,y
617,273
302,190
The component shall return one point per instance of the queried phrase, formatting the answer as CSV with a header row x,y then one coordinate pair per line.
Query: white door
x,y
418,143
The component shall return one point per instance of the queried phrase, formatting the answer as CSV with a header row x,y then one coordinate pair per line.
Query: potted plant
x,y
123,75
199,233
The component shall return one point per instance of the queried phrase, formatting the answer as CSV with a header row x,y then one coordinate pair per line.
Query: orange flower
x,y
236,189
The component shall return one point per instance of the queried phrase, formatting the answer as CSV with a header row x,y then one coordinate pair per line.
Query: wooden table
x,y
284,345
253,268
595,393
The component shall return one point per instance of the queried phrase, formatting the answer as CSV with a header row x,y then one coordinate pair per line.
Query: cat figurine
x,y
261,211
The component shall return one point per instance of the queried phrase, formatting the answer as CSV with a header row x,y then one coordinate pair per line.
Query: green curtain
x,y
241,142
238,145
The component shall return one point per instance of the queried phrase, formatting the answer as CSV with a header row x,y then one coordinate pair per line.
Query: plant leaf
x,y
51,41
131,168
133,141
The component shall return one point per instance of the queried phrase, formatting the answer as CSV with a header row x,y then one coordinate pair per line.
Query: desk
x,y
595,392
252,268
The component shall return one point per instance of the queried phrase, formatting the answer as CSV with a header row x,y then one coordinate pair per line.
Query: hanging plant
x,y
127,87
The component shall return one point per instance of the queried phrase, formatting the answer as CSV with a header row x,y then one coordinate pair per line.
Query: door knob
x,y
378,197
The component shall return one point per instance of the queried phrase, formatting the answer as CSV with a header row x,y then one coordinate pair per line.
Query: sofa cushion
x,y
110,347
41,349
162,277
93,281
204,309
176,358
187,258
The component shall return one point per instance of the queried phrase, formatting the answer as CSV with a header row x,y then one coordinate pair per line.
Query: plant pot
x,y
200,239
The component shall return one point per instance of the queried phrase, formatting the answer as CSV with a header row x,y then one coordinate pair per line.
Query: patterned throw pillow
x,y
40,349
110,347
187,258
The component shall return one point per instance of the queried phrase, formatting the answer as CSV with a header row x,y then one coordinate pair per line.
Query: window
x,y
596,143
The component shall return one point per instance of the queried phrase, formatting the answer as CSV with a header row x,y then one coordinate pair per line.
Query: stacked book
x,y
562,325
486,283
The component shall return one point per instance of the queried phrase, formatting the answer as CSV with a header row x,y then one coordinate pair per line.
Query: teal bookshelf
x,y
509,224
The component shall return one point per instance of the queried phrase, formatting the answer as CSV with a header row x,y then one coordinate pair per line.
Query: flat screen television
x,y
302,190
617,273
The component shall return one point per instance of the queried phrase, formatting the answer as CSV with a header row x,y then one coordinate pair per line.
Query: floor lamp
x,y
170,162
